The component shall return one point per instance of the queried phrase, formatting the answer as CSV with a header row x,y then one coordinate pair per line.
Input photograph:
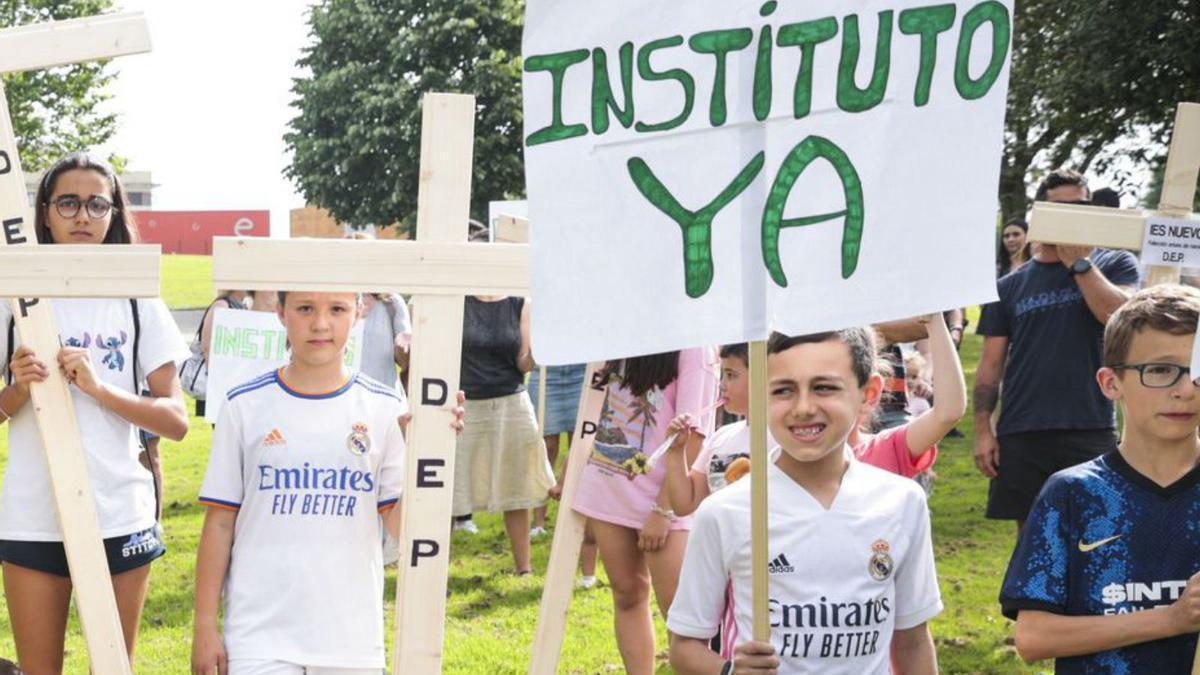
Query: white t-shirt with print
x,y
841,580
307,475
122,487
727,444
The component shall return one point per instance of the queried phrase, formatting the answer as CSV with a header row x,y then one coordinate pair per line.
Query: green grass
x,y
187,281
492,614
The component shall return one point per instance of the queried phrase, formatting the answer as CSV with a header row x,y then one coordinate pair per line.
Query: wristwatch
x,y
1081,266
727,669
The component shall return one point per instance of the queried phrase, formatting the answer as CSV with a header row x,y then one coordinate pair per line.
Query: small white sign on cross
x,y
439,268
1130,228
29,274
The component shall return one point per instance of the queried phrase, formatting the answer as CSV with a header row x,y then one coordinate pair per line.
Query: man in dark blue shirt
x,y
1112,538
1043,339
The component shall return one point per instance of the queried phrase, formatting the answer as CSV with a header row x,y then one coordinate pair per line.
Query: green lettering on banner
x,y
224,342
996,14
685,80
351,349
602,95
696,226
763,86
928,22
556,65
806,36
720,43
849,96
247,347
810,149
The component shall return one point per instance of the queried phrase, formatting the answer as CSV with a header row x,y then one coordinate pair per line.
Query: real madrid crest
x,y
881,564
358,442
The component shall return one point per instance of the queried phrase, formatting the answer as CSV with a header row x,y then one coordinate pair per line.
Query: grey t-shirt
x,y
381,327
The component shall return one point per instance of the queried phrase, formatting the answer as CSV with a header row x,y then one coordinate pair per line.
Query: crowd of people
x,y
307,462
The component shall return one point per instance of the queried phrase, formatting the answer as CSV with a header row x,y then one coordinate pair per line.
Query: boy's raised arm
x,y
949,388
212,563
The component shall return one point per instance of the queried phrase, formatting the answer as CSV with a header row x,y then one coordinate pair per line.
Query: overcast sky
x,y
206,111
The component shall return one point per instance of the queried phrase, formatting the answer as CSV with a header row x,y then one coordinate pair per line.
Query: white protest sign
x,y
247,344
1171,242
702,174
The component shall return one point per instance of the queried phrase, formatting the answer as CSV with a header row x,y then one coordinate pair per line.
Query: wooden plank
x,y
512,229
65,459
447,144
1183,162
80,271
1087,226
46,45
568,534
342,265
759,461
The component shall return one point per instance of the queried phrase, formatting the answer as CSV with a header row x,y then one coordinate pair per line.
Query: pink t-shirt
x,y
611,488
889,451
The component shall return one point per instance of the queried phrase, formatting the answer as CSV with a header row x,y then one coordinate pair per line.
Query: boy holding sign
x,y
303,458
1117,535
866,600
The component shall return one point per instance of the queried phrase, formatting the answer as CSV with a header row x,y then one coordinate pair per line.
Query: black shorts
x,y
1027,459
124,553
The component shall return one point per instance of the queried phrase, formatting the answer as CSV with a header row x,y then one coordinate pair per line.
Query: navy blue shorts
x,y
124,553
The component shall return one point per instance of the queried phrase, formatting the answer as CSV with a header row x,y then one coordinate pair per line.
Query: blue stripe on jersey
x,y
257,383
1102,540
209,500
379,389
316,397
388,502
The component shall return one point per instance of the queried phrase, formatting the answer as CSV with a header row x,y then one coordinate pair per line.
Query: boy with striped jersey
x,y
303,461
852,580
1113,537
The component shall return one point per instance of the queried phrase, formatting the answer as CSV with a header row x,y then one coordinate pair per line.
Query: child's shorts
x,y
124,553
263,667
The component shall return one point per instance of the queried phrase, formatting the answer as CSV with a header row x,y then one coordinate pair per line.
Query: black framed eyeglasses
x,y
68,206
1156,375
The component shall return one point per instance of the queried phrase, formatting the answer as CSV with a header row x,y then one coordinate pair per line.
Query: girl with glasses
x,y
108,346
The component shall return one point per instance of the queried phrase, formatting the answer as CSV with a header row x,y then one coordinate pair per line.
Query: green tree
x,y
1089,73
57,111
356,140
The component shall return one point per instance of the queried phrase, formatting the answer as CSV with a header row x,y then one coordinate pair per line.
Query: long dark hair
x,y
121,229
1003,259
641,374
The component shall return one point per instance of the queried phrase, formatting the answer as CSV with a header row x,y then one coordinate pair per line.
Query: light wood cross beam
x,y
1125,228
440,268
29,274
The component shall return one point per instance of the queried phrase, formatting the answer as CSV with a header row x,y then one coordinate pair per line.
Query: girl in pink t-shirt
x,y
641,540
911,448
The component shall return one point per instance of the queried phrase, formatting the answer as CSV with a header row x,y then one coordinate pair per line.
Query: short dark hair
x,y
1169,308
121,230
9,668
860,341
739,350
283,296
1058,178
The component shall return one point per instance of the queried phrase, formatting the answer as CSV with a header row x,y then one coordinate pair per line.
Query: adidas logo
x,y
780,565
274,438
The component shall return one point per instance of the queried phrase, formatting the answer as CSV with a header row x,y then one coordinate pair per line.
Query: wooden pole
x,y
568,533
759,460
541,417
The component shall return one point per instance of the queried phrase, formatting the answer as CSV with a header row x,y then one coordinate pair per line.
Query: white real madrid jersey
x,y
841,580
307,475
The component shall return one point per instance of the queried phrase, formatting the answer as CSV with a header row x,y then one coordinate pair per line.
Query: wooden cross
x,y
1124,228
29,274
439,268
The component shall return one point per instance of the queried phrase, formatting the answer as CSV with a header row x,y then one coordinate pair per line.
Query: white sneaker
x,y
587,581
467,526
537,531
